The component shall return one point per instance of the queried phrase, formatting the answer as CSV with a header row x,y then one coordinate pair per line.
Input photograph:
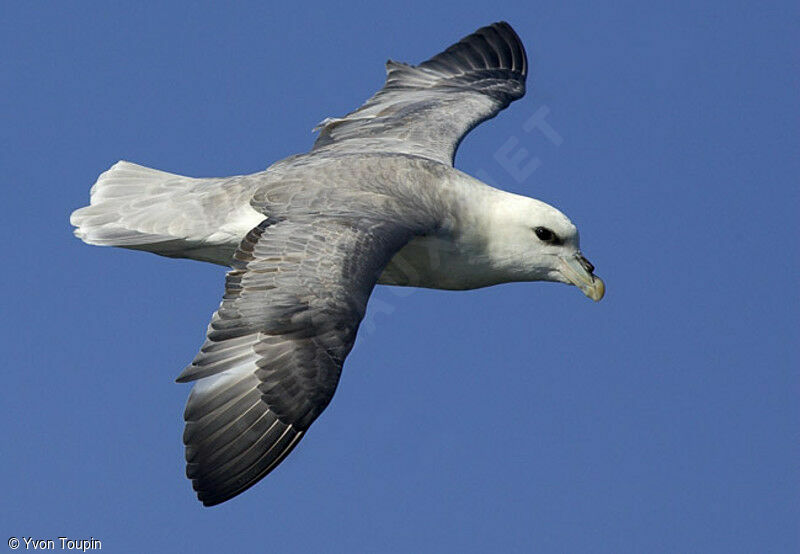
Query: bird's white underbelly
x,y
430,262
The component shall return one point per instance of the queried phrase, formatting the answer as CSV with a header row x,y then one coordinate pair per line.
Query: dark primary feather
x,y
427,109
275,348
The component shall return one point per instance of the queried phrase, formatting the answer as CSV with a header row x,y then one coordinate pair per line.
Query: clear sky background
x,y
516,418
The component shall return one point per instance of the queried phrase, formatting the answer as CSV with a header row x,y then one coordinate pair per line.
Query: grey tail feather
x,y
128,209
103,221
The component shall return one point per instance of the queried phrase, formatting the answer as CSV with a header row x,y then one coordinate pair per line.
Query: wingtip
x,y
213,496
506,32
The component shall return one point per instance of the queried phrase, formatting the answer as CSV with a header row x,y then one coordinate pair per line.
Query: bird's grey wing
x,y
275,347
426,110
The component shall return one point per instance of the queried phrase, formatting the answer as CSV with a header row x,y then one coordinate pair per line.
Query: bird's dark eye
x,y
545,235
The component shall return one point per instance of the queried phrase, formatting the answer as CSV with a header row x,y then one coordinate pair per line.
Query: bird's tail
x,y
118,214
136,207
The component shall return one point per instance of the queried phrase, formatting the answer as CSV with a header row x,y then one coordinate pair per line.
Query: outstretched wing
x,y
426,110
274,350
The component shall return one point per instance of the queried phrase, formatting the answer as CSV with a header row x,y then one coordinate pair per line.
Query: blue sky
x,y
517,418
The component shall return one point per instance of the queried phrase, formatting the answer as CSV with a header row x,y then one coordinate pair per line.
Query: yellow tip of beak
x,y
579,272
596,290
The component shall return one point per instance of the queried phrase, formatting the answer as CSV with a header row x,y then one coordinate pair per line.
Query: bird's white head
x,y
533,241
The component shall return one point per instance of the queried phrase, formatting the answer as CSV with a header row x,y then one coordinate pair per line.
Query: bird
x,y
375,201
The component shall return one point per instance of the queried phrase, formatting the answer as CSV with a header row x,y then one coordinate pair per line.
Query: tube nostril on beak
x,y
587,265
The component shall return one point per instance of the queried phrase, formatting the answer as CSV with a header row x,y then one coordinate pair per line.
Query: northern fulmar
x,y
376,200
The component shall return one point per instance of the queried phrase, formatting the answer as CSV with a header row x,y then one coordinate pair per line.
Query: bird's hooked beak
x,y
580,272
